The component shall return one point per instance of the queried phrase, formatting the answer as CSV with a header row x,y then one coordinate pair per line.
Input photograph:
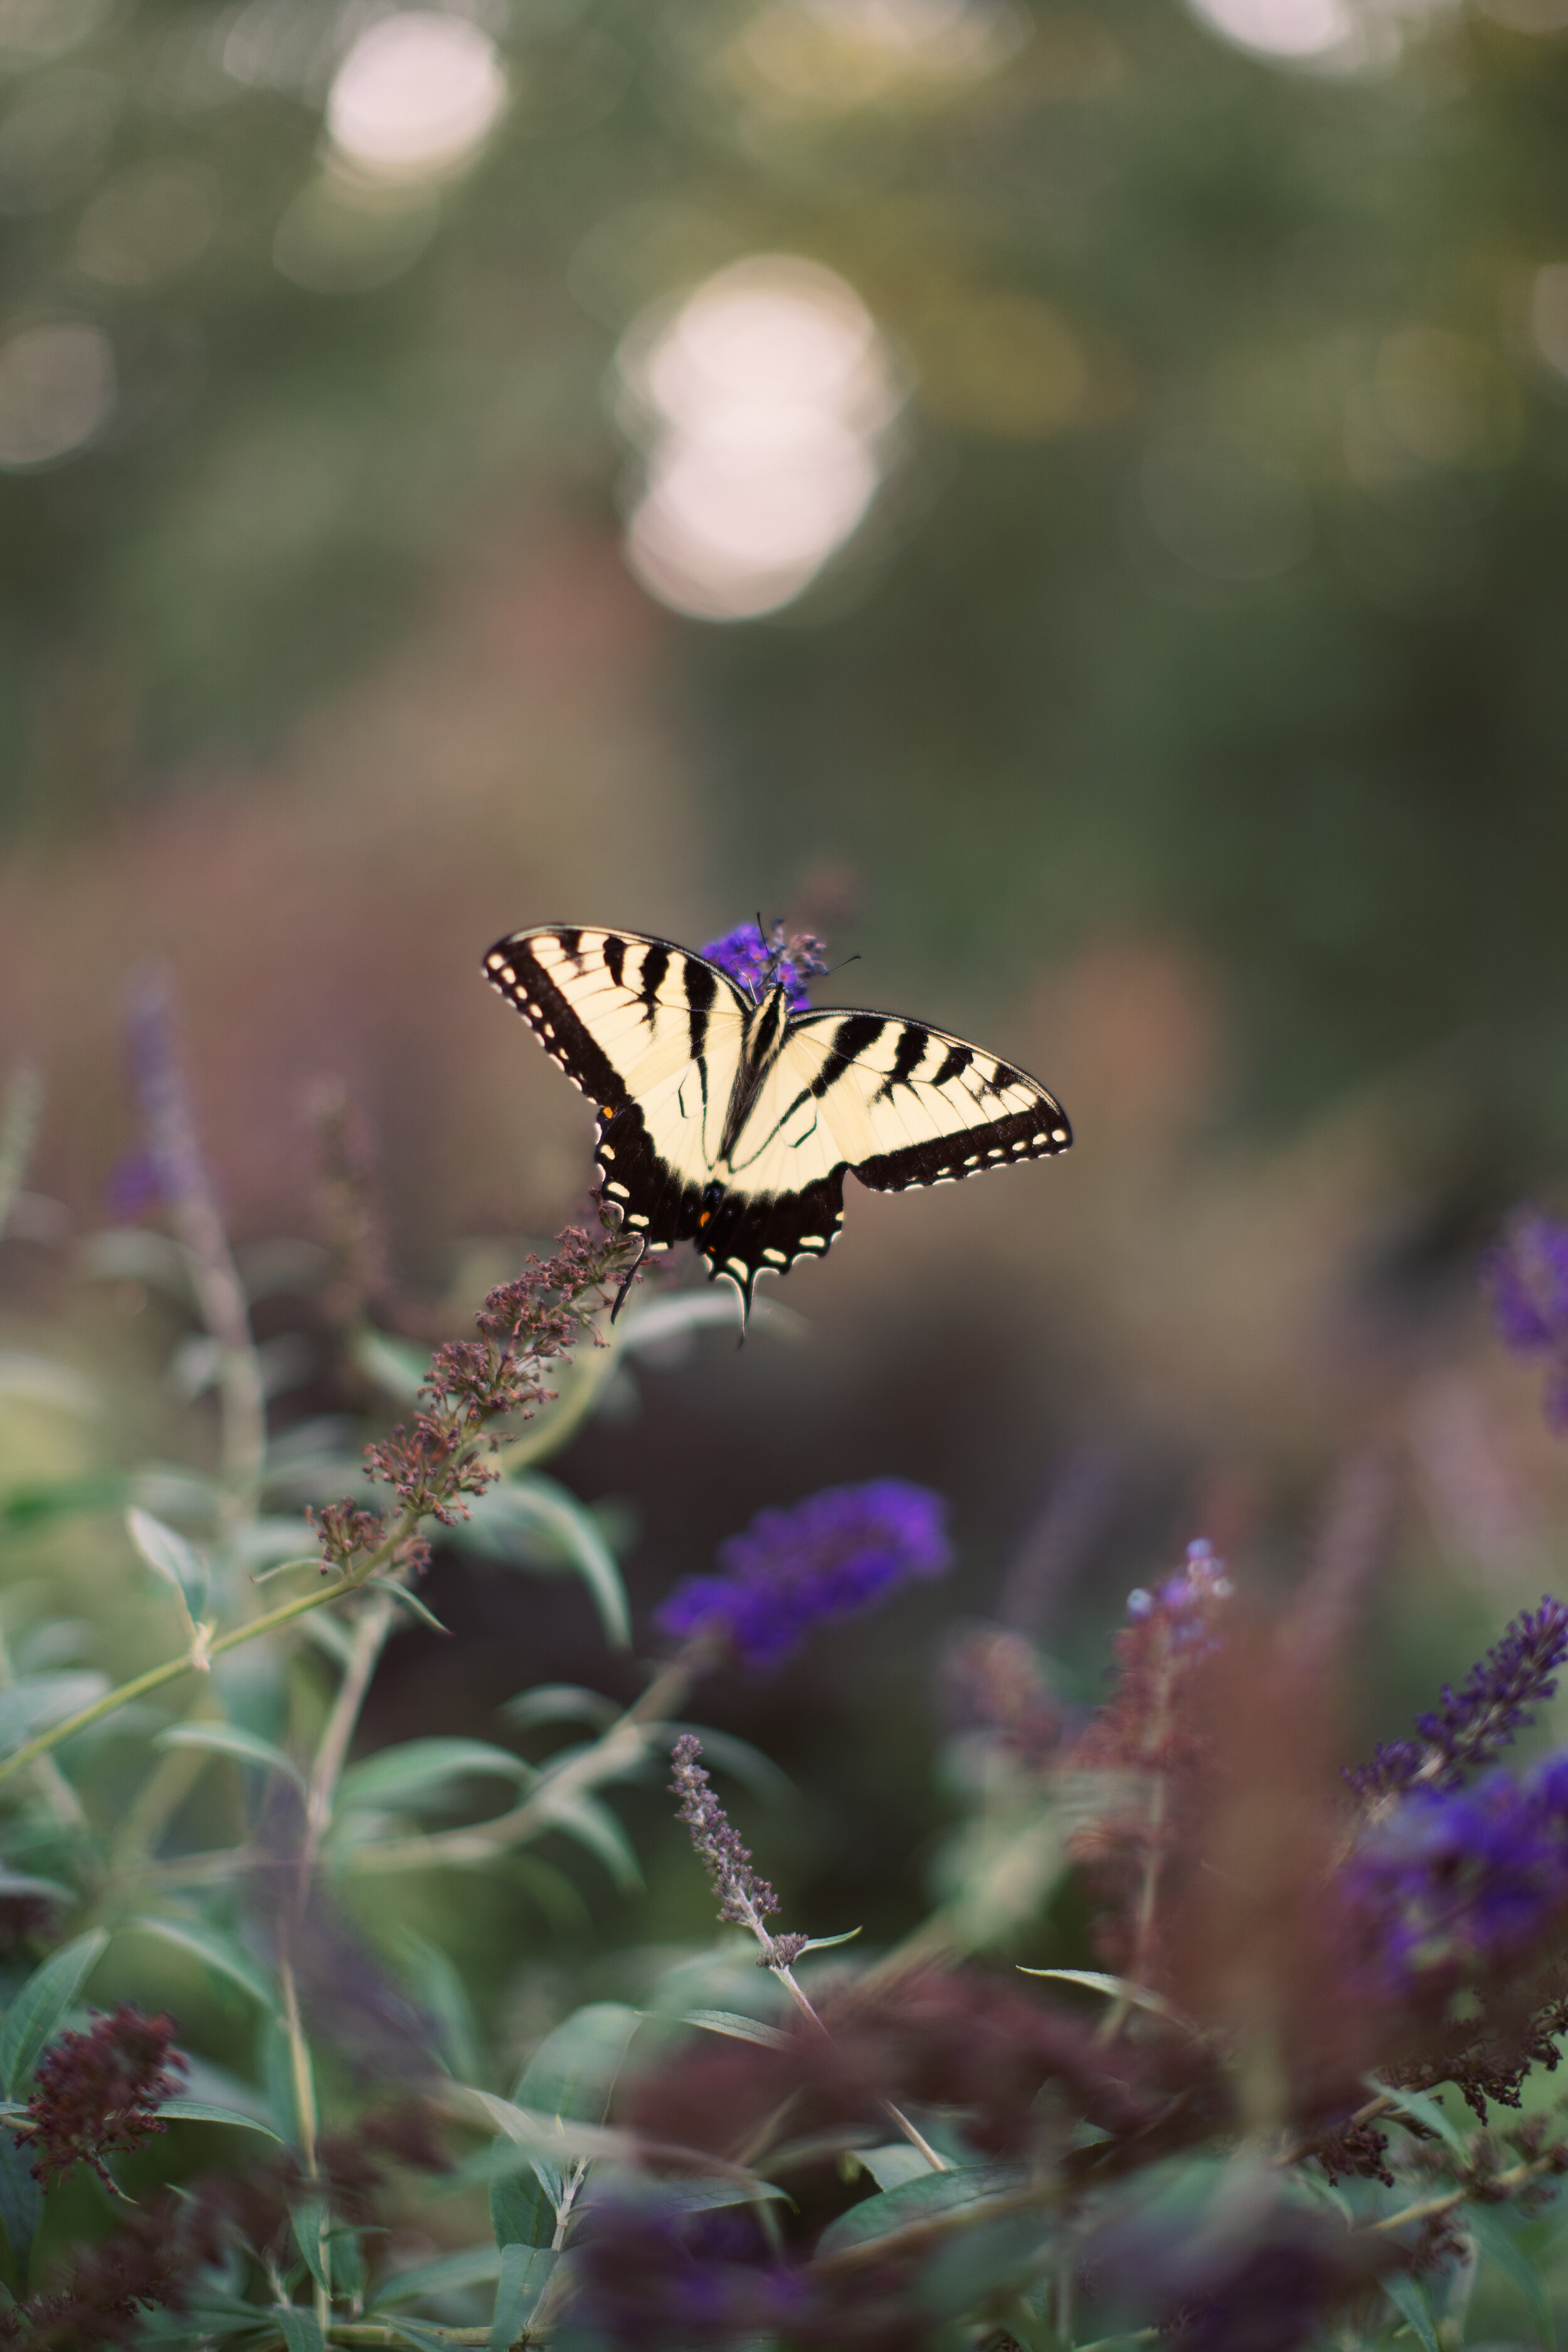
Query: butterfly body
x,y
728,1116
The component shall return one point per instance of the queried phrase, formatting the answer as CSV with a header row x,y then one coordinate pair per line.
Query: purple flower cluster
x,y
1526,1275
837,1552
759,960
660,2280
1453,1880
1185,1600
1496,1700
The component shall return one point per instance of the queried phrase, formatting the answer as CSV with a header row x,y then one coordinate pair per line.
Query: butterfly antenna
x,y
828,970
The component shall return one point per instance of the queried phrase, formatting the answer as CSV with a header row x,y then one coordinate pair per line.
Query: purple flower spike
x,y
831,1556
1526,1276
758,961
1496,1700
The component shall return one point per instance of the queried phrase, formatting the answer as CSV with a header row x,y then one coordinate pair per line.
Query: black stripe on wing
x,y
654,1200
1034,1134
744,1234
515,973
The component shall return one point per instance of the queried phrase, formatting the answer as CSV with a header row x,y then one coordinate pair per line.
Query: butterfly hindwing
x,y
653,1037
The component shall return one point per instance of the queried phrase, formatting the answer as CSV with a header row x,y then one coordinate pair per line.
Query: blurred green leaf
x,y
40,1380
398,1368
298,2328
21,2201
409,1601
592,1823
1116,1989
532,1522
200,2111
560,1703
232,1740
19,1882
523,2208
174,1559
738,2028
305,2223
438,1986
574,2070
891,2166
36,1700
1426,2110
1408,2297
474,2266
222,1952
919,2201
1492,2228
522,2278
415,1769
34,1506
42,2006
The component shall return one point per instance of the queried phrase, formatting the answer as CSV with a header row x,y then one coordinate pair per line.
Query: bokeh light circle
x,y
57,392
415,95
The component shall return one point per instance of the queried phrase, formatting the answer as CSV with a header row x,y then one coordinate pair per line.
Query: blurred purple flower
x,y
832,1555
1455,1878
1526,1276
135,1185
654,2279
758,961
1496,1700
1185,1600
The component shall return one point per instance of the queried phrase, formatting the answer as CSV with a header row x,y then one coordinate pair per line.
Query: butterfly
x,y
728,1115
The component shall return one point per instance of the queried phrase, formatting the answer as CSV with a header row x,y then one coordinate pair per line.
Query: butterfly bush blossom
x,y
758,959
832,1555
1527,1277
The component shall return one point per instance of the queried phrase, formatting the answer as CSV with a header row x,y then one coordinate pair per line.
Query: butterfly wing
x,y
910,1105
652,1035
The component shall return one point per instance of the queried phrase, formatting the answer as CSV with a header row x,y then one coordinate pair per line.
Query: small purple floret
x,y
835,1553
760,961
1526,1277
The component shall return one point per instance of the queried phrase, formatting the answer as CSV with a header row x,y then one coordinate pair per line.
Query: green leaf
x,y
398,1369
475,2266
553,2139
232,1740
222,1952
19,1882
174,1559
409,1601
918,2200
534,1522
573,2071
891,2166
438,1986
42,2005
697,2193
396,1776
825,1943
524,2274
300,2328
26,1706
200,2111
305,2222
593,1825
1490,2230
21,2201
1426,2110
739,2029
560,1703
522,2210
1115,1989
1409,2299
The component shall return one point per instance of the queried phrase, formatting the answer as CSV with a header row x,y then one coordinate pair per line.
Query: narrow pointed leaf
x,y
174,1559
29,1705
1408,2297
593,1825
42,2005
1489,2226
201,2111
475,2266
738,2028
534,1522
574,2070
1115,1989
396,1776
232,1740
298,2328
224,1953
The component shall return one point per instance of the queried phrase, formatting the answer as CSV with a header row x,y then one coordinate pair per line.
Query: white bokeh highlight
x,y
416,97
760,401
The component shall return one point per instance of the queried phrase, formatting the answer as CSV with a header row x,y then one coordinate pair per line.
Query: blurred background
x,y
1066,500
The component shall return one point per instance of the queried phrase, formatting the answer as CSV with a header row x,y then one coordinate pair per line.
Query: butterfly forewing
x,y
910,1105
652,1035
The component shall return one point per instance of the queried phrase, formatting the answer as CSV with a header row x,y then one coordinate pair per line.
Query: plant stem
x,y
172,1668
620,1744
369,1639
1505,2183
